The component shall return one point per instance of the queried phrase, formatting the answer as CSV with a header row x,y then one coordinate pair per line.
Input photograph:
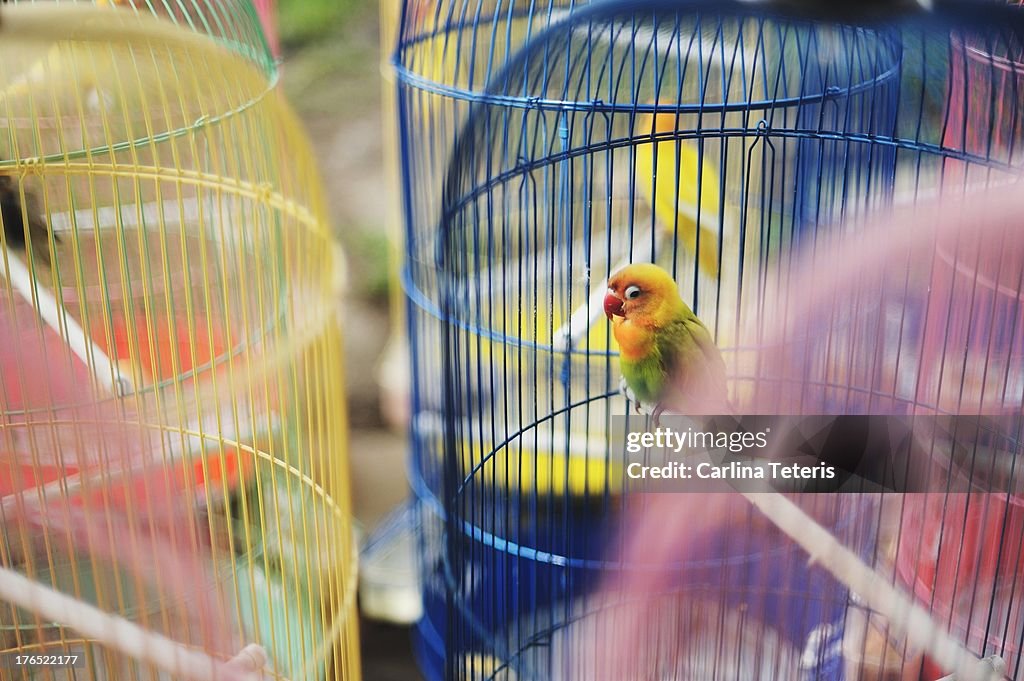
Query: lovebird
x,y
667,356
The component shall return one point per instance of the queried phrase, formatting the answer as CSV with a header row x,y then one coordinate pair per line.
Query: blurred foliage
x,y
370,254
302,22
338,76
332,76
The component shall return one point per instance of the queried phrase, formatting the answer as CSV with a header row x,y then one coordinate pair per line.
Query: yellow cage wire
x,y
394,372
172,423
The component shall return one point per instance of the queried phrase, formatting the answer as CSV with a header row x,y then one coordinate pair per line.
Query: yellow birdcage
x,y
174,491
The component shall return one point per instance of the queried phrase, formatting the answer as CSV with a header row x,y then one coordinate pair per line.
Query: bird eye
x,y
633,292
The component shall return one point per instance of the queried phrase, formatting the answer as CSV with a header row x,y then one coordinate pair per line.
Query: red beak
x,y
613,305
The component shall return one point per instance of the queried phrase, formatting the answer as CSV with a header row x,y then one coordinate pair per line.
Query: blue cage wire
x,y
543,147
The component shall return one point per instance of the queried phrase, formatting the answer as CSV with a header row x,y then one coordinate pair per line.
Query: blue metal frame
x,y
515,207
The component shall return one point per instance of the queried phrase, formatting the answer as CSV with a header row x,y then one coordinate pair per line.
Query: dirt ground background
x,y
332,76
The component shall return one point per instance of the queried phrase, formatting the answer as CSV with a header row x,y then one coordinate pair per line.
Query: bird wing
x,y
712,355
695,367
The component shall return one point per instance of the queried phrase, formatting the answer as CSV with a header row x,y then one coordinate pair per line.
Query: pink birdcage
x,y
267,9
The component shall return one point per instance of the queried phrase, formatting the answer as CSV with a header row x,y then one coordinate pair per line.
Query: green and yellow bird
x,y
680,184
667,356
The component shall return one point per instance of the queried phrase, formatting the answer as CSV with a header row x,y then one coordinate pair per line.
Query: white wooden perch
x,y
106,372
128,638
906,618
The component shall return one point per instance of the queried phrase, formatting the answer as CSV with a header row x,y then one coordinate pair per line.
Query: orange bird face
x,y
638,291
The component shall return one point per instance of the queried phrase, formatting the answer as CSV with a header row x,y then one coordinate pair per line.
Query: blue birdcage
x,y
545,147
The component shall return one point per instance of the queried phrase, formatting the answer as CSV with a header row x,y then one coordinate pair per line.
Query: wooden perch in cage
x,y
175,451
106,372
997,664
906,618
128,638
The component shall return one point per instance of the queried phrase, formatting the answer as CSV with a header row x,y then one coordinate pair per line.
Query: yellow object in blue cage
x,y
174,487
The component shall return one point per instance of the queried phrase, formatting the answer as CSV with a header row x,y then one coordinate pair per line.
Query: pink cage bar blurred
x,y
267,10
972,578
